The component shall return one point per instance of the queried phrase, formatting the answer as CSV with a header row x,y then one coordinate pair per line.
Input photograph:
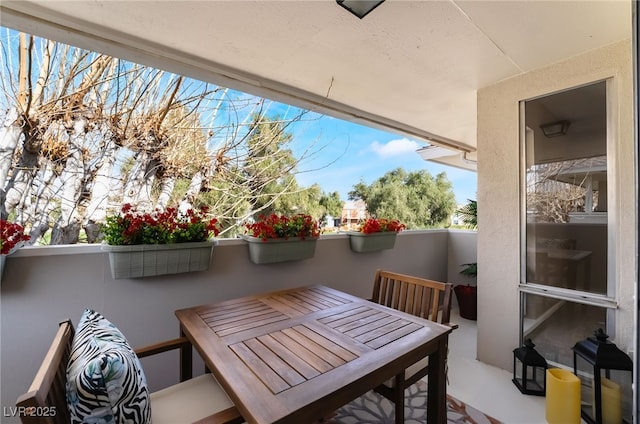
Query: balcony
x,y
42,286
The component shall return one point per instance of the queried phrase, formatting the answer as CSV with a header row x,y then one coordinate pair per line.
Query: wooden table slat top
x,y
296,354
298,359
303,355
352,318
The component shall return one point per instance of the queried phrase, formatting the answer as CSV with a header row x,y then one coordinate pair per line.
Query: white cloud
x,y
396,147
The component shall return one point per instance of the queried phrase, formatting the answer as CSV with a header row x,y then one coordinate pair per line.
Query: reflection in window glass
x,y
556,325
566,190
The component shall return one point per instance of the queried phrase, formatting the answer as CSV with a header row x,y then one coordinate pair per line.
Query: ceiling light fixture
x,y
555,129
360,8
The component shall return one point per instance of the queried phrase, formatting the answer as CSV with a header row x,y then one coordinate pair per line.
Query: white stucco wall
x,y
499,194
462,250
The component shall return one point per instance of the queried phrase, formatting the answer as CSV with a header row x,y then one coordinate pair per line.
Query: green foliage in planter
x,y
283,227
131,227
470,270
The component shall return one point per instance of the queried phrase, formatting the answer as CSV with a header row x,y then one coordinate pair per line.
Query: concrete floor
x,y
486,387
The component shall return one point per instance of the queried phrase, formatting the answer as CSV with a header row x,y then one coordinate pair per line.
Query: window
x,y
565,278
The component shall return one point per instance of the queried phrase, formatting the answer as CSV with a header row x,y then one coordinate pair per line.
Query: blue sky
x,y
348,153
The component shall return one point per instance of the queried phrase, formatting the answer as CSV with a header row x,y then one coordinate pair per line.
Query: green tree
x,y
269,165
416,198
331,204
298,200
469,214
270,171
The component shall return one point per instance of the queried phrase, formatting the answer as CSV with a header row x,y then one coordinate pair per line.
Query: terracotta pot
x,y
467,297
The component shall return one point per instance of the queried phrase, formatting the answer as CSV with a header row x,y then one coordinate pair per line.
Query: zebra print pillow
x,y
105,381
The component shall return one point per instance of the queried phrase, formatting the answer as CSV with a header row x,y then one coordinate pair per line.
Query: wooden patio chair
x,y
417,296
198,399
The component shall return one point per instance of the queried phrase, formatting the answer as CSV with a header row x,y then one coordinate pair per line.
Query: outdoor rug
x,y
371,408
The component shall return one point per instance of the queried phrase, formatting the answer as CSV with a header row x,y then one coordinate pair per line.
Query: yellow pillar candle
x,y
562,397
611,402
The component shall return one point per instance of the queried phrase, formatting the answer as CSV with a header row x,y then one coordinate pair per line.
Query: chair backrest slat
x,y
425,298
47,393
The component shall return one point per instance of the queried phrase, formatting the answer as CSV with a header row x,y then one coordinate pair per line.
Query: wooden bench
x,y
200,400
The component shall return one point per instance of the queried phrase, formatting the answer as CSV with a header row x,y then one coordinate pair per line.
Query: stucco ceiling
x,y
412,67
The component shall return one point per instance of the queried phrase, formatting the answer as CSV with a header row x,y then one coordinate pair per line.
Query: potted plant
x,y
375,234
279,238
467,295
161,242
12,237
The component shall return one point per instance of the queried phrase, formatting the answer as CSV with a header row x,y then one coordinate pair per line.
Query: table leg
x,y
437,384
186,360
398,395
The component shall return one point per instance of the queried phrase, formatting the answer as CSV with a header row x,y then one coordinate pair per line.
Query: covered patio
x,y
452,74
44,285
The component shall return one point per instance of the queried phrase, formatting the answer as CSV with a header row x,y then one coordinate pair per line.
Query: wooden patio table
x,y
295,356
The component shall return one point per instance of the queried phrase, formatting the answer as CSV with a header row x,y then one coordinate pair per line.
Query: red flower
x,y
373,225
281,226
158,227
11,236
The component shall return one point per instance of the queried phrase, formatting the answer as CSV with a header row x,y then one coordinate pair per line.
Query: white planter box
x,y
361,242
280,250
144,260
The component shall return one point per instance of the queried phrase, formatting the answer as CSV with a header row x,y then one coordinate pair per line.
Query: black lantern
x,y
529,370
360,8
605,374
